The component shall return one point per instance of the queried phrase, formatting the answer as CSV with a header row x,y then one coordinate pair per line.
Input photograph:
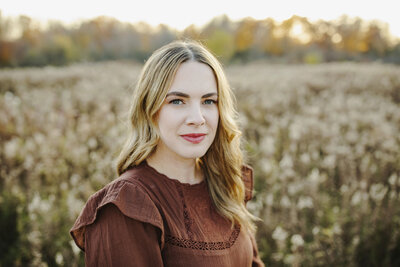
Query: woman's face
x,y
188,118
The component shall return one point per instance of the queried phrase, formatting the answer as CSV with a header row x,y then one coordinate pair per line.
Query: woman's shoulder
x,y
129,193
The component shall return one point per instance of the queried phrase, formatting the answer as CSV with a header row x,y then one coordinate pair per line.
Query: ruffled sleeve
x,y
112,209
247,177
117,240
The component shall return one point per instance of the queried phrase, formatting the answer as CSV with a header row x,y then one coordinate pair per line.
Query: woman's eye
x,y
209,101
176,102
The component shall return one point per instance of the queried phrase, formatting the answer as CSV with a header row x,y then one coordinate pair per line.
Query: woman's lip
x,y
194,138
193,134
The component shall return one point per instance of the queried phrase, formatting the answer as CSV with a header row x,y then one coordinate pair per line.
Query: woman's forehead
x,y
193,77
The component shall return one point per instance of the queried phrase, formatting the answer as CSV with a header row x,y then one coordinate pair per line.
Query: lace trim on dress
x,y
188,221
202,245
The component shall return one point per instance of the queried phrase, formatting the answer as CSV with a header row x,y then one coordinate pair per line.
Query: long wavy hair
x,y
222,163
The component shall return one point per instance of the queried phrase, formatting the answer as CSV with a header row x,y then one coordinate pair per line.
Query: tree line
x,y
295,40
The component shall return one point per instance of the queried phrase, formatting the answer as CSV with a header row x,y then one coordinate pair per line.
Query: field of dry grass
x,y
323,139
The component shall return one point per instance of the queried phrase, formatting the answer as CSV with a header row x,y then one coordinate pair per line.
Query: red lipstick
x,y
194,138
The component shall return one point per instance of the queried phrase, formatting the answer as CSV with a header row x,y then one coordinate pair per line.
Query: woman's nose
x,y
195,116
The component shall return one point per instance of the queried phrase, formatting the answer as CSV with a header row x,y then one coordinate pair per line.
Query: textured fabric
x,y
145,218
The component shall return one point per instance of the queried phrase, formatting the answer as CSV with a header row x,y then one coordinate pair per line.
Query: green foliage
x,y
10,236
313,58
221,44
60,51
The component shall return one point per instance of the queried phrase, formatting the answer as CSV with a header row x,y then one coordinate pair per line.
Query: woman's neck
x,y
183,170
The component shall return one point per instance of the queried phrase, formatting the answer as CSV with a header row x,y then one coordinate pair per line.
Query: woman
x,y
182,187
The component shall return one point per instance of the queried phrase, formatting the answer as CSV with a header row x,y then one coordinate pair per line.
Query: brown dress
x,y
144,218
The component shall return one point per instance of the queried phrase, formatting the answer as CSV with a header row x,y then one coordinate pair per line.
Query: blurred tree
x,y
244,36
29,31
5,27
264,35
7,53
375,40
323,38
5,45
220,23
145,32
218,37
190,32
99,30
221,44
162,35
104,38
60,50
350,31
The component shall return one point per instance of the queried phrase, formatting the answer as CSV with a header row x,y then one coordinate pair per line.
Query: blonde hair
x,y
224,180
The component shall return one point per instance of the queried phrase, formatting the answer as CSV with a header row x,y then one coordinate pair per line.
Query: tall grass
x,y
324,141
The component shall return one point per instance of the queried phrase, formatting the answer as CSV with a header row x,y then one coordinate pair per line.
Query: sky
x,y
179,14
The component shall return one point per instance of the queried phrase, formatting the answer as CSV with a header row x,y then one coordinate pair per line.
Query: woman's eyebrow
x,y
176,93
209,94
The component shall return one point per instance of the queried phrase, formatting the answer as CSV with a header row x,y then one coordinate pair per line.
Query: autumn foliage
x,y
293,40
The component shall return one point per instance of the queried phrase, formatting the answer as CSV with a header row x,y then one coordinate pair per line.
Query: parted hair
x,y
222,163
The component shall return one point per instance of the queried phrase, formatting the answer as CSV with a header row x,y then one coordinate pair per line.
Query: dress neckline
x,y
176,181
